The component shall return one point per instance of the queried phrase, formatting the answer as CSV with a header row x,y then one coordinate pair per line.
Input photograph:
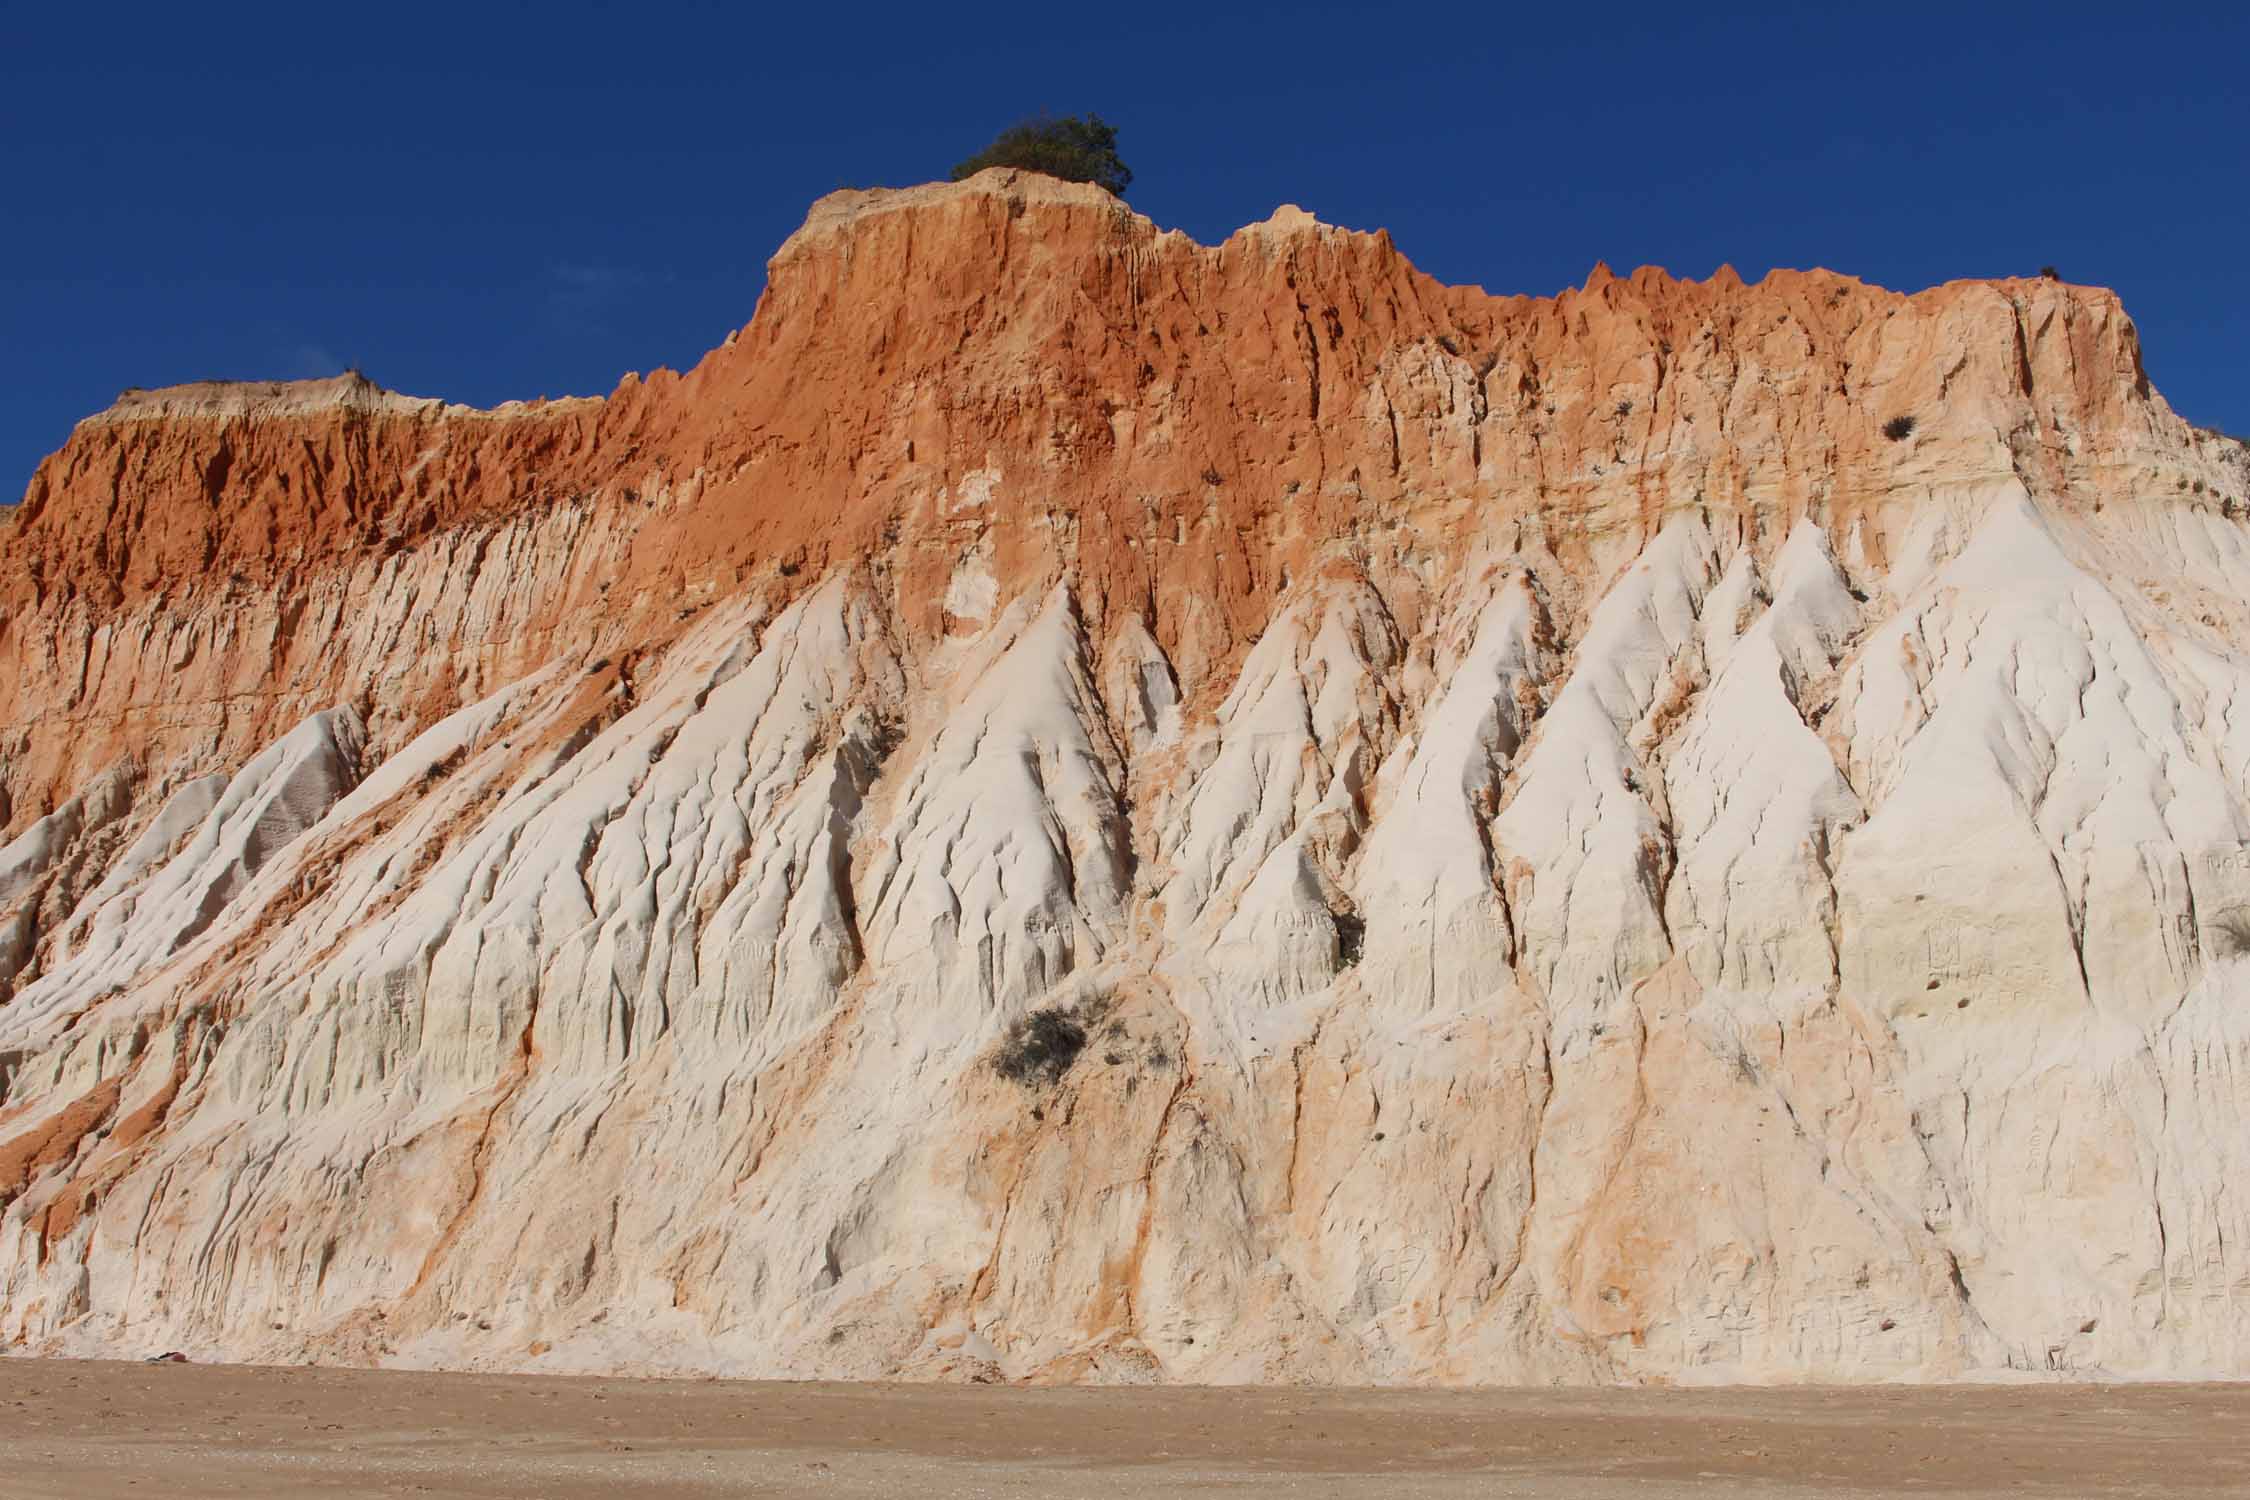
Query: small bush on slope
x,y
1040,1047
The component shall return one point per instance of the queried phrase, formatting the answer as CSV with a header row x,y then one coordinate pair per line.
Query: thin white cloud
x,y
311,362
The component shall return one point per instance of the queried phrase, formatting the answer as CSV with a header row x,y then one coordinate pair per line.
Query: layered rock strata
x,y
1075,805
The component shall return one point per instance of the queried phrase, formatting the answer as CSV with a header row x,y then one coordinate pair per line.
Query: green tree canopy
x,y
1074,149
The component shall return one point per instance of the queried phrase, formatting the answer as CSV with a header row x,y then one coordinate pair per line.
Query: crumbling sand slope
x,y
1574,853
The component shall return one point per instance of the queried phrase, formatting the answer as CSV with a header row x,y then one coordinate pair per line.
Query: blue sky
x,y
491,201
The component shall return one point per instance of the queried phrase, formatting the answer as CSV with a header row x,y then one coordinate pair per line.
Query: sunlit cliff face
x,y
1075,805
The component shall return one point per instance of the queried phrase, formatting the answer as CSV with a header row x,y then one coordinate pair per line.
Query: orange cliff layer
x,y
1029,365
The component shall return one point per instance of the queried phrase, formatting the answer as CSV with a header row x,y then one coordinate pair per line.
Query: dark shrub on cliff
x,y
1040,1047
1074,149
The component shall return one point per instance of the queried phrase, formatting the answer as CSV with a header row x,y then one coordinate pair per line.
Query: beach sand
x,y
96,1430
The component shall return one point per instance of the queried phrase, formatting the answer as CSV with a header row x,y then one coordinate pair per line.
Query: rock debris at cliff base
x,y
1570,852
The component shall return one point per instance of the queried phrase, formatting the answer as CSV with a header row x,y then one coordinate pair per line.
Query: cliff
x,y
1075,805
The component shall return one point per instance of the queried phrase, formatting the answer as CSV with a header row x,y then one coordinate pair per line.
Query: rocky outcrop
x,y
1682,831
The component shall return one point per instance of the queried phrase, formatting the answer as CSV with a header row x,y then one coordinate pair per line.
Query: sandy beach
x,y
98,1430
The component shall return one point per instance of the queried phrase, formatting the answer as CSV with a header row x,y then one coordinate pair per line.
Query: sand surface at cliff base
x,y
100,1429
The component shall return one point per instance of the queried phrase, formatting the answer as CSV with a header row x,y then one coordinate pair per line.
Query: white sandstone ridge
x,y
262,400
848,209
1809,971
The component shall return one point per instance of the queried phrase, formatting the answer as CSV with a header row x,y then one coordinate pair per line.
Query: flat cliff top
x,y
259,399
847,209
269,400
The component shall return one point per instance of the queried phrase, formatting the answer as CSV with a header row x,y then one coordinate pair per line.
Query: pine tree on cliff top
x,y
1074,149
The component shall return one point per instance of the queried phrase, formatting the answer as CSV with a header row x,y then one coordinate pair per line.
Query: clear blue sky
x,y
484,201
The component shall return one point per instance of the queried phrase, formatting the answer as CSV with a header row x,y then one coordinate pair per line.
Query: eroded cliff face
x,y
1573,854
